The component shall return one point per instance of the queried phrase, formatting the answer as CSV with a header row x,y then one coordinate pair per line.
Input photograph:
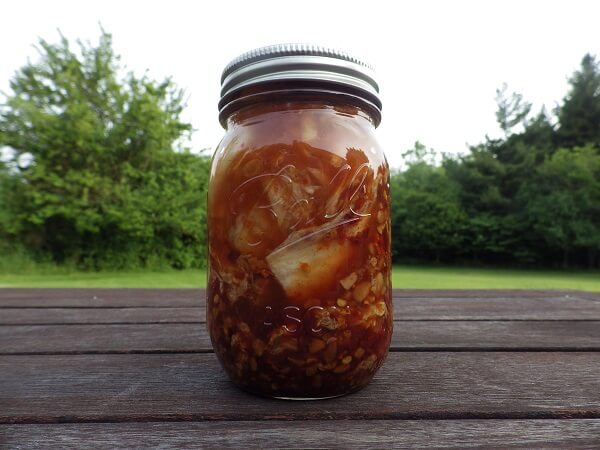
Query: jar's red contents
x,y
299,297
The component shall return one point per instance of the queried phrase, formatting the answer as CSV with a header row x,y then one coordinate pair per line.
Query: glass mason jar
x,y
299,294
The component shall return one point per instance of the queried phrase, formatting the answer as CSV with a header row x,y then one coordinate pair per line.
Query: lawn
x,y
409,277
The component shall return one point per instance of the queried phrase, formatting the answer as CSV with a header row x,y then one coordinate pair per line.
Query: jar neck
x,y
283,96
252,111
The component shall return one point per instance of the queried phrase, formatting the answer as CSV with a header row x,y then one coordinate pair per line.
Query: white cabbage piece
x,y
311,260
290,198
249,229
310,129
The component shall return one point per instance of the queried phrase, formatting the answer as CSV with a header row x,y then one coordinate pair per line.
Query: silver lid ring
x,y
300,62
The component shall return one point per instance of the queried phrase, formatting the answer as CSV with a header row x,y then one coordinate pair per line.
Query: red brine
x,y
299,294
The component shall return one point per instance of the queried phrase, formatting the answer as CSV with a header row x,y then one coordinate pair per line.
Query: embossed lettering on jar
x,y
299,294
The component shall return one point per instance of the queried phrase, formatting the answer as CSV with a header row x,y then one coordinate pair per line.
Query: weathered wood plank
x,y
446,309
410,335
490,335
111,298
566,307
49,316
101,298
356,434
40,339
421,385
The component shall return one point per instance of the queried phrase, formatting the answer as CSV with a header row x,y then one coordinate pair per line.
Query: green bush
x,y
531,197
98,178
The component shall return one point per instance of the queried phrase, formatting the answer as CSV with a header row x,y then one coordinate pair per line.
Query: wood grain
x,y
566,307
410,335
49,316
101,298
357,434
148,298
130,368
143,306
422,385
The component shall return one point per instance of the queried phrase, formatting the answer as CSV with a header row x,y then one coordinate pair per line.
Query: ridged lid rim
x,y
292,49
325,68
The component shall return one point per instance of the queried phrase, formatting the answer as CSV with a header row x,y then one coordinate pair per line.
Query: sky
x,y
438,63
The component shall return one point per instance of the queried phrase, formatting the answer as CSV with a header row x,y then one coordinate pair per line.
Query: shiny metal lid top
x,y
300,62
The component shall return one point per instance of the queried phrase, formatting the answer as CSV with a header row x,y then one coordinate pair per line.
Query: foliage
x,y
426,214
564,202
512,110
579,116
531,197
98,178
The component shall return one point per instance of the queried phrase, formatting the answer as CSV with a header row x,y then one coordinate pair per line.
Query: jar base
x,y
310,399
299,399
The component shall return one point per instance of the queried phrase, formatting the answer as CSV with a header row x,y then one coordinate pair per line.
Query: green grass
x,y
411,277
136,279
408,277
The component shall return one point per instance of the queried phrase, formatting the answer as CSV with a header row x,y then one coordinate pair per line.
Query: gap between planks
x,y
391,350
203,322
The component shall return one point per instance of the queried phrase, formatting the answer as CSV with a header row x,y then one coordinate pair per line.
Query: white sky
x,y
438,62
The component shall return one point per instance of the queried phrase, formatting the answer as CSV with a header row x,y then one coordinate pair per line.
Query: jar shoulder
x,y
325,130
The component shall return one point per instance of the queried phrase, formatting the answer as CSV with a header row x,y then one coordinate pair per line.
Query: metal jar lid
x,y
302,63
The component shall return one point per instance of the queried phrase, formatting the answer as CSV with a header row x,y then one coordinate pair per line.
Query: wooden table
x,y
134,368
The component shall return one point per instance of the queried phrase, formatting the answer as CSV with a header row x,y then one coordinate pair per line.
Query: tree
x,y
419,153
532,196
491,177
107,183
564,203
512,110
579,116
426,214
481,178
6,186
